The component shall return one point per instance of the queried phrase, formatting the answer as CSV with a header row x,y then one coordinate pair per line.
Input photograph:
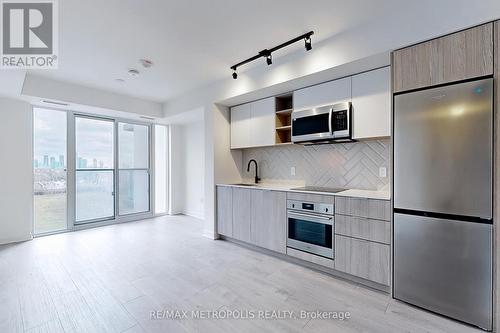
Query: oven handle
x,y
330,114
314,218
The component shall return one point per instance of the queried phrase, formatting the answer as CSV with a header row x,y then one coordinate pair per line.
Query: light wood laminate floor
x,y
109,279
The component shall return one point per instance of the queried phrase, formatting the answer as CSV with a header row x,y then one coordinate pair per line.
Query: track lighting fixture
x,y
267,53
308,44
269,60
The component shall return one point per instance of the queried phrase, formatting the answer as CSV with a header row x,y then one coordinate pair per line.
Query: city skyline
x,y
50,162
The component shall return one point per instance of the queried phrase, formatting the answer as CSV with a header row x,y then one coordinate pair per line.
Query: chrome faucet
x,y
257,179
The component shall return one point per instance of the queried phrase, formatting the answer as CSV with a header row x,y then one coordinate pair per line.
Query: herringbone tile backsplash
x,y
347,165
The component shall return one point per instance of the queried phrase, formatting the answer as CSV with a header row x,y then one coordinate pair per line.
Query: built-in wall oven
x,y
332,123
310,227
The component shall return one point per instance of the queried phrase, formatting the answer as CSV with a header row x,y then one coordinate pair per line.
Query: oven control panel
x,y
313,207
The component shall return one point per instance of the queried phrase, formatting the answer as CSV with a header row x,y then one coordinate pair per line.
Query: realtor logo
x,y
29,34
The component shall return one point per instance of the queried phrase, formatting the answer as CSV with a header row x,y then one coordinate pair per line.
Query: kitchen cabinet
x,y
225,211
253,124
332,92
371,104
254,216
263,122
361,258
241,119
362,238
269,219
368,208
363,228
458,56
242,214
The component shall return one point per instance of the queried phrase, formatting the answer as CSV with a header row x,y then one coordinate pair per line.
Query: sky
x,y
50,134
94,140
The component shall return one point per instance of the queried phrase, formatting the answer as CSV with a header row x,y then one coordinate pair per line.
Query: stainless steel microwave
x,y
331,123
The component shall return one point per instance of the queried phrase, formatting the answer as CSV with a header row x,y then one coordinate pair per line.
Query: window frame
x,y
71,169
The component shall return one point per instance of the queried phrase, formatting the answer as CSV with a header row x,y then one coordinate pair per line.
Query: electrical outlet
x,y
382,172
292,171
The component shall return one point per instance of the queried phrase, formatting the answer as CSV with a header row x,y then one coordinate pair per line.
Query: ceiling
x,y
191,43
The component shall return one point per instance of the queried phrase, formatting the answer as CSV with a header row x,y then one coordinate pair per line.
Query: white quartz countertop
x,y
355,193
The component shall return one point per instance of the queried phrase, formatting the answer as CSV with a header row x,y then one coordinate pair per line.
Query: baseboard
x,y
332,272
6,241
210,234
196,215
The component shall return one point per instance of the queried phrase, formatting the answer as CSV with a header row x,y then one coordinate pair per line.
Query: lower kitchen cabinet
x,y
254,216
242,214
268,227
225,211
365,259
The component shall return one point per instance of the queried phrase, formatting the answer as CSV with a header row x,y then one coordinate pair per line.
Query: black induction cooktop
x,y
319,189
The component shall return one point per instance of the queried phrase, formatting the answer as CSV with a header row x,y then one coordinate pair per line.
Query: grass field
x,y
50,209
50,212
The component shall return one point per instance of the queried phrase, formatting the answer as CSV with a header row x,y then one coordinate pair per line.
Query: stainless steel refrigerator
x,y
443,160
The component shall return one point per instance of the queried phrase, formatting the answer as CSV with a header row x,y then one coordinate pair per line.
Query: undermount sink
x,y
243,184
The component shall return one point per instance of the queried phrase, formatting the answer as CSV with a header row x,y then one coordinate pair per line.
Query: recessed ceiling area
x,y
190,42
193,43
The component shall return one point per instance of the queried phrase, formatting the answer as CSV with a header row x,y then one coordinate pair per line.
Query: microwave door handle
x,y
330,115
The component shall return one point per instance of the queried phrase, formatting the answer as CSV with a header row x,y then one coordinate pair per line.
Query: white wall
x,y
176,171
193,139
16,176
187,161
338,56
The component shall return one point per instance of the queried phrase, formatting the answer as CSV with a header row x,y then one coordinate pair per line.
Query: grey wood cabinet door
x,y
225,210
463,55
269,219
369,208
242,214
368,260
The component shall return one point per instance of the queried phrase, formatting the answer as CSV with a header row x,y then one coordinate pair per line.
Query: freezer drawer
x,y
444,266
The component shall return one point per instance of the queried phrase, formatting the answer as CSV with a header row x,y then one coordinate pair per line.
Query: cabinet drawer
x,y
364,228
310,257
368,260
369,208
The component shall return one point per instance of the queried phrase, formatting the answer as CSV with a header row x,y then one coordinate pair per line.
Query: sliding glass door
x,y
49,171
95,175
90,169
133,171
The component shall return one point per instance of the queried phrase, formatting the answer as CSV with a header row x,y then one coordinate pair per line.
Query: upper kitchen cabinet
x,y
252,124
332,92
371,103
462,55
262,127
241,119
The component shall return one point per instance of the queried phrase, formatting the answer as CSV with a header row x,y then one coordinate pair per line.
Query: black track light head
x,y
269,60
308,43
235,75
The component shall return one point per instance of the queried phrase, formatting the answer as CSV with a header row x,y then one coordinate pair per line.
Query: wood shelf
x,y
284,112
283,124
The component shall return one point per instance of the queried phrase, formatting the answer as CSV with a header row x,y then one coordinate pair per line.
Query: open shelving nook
x,y
283,116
